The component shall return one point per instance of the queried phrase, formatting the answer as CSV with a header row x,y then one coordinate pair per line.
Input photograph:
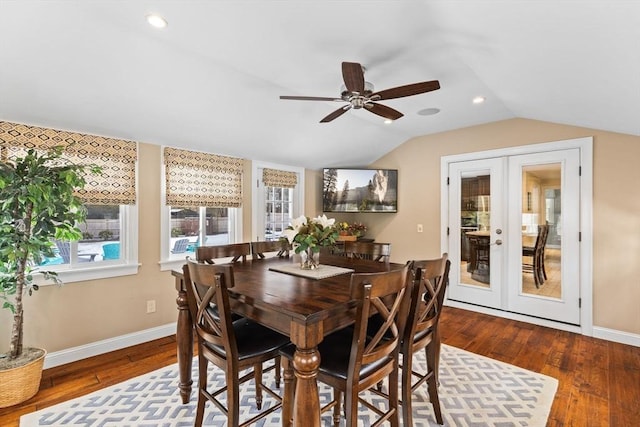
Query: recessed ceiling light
x,y
479,99
388,121
428,111
156,21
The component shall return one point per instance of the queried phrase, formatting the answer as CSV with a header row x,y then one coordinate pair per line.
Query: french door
x,y
513,239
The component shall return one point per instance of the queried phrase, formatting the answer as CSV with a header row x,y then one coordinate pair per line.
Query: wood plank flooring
x,y
599,381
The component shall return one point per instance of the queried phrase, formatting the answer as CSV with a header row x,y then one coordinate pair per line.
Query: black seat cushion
x,y
252,339
334,351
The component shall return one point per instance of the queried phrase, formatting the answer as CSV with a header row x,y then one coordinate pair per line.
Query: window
x,y
109,244
202,198
200,227
278,199
278,203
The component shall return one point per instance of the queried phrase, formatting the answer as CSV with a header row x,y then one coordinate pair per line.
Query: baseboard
x,y
514,316
597,332
74,354
616,336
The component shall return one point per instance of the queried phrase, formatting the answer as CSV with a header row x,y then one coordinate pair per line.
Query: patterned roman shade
x,y
202,179
278,178
117,158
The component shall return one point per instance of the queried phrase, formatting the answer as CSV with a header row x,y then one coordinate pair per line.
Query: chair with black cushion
x,y
430,279
536,252
235,251
231,346
420,330
352,360
373,251
180,246
280,248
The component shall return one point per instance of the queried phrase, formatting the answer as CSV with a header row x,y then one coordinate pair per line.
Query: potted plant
x,y
37,205
307,235
351,232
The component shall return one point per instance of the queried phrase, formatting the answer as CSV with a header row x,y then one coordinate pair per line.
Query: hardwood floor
x,y
599,381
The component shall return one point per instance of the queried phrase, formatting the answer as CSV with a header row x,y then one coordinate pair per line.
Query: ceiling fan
x,y
359,94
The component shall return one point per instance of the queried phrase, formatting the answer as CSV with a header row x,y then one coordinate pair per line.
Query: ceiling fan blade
x,y
406,90
310,98
353,77
336,114
383,111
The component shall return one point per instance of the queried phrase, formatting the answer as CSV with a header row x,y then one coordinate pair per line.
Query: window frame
x,y
125,266
166,261
258,200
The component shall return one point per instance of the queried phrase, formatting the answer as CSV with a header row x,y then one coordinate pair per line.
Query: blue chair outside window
x,y
111,251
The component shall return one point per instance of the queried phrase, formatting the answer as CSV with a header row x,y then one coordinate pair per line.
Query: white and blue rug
x,y
474,391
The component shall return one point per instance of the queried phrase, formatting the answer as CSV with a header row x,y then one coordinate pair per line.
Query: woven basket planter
x,y
21,383
347,238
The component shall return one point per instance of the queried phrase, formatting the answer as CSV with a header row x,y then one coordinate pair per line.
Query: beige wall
x,y
616,200
86,312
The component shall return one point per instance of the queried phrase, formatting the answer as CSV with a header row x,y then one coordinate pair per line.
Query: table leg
x,y
289,392
184,338
306,362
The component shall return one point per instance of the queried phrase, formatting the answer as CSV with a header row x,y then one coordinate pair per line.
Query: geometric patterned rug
x,y
474,391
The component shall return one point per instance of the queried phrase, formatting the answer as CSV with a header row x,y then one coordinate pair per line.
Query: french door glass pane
x,y
475,219
278,209
541,230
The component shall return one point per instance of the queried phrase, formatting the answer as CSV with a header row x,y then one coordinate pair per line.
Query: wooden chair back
x,y
209,305
237,251
280,247
430,279
373,251
385,294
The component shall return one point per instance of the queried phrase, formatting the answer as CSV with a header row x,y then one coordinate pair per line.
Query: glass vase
x,y
309,260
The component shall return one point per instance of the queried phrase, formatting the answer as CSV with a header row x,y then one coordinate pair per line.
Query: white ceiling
x,y
211,80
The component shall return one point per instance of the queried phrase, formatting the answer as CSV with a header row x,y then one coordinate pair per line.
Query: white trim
x,y
616,336
298,205
586,218
74,354
513,316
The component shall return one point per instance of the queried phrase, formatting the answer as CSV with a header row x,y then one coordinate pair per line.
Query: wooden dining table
x,y
305,309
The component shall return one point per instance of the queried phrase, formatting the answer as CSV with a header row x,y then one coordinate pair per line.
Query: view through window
x,y
278,211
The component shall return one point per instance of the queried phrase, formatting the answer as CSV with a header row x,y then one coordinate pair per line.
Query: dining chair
x,y
421,331
231,346
352,360
536,252
373,251
281,248
180,246
235,251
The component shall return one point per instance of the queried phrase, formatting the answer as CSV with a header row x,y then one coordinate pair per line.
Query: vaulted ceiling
x,y
211,79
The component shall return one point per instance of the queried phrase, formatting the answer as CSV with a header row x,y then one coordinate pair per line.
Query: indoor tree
x,y
38,205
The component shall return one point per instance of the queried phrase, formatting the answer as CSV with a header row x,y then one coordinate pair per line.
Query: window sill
x,y
173,264
93,273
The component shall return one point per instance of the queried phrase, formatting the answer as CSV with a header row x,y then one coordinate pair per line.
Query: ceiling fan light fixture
x,y
368,88
156,21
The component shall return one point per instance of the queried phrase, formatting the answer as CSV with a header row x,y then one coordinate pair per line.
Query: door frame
x,y
585,145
